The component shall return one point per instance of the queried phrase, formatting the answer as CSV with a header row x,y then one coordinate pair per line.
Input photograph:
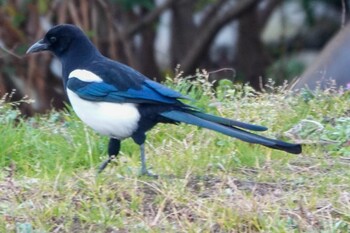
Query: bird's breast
x,y
117,120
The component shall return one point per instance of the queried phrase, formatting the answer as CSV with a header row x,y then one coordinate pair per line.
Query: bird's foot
x,y
145,172
105,163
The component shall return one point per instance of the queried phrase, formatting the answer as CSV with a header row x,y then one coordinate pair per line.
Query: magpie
x,y
119,102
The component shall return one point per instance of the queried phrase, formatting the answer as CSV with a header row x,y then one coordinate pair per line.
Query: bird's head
x,y
61,40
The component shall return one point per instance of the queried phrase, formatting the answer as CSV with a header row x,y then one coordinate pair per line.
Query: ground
x,y
207,182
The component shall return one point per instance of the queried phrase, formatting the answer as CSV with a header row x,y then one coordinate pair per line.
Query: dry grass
x,y
310,196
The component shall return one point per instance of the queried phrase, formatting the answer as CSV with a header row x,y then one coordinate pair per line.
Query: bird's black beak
x,y
38,46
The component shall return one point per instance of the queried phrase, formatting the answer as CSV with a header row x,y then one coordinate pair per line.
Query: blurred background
x,y
246,41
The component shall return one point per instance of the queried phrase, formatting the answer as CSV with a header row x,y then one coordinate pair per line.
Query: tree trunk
x,y
252,59
146,55
183,31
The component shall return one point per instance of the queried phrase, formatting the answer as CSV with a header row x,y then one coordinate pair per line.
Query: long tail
x,y
226,126
228,122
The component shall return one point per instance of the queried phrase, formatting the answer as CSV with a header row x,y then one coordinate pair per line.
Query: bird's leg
x,y
140,138
113,150
143,160
144,170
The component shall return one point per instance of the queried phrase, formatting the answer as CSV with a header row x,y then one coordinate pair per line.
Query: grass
x,y
207,182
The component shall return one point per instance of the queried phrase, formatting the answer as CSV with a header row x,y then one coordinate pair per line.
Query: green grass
x,y
207,182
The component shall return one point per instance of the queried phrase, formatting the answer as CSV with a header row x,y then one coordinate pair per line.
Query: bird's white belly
x,y
112,119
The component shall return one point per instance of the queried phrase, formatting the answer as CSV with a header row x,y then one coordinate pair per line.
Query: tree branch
x,y
209,31
265,14
149,18
2,47
212,11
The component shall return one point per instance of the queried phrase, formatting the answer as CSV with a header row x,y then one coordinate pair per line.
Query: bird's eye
x,y
53,39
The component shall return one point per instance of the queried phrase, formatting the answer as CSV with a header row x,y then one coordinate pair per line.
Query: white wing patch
x,y
85,75
111,119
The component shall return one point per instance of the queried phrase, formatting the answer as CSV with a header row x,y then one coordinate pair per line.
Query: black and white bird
x,y
119,102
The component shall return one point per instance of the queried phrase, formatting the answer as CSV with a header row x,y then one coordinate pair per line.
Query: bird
x,y
117,101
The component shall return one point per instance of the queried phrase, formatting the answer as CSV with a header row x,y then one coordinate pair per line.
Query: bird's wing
x,y
148,92
121,83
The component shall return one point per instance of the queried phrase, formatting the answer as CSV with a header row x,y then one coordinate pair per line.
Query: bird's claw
x,y
145,172
105,163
